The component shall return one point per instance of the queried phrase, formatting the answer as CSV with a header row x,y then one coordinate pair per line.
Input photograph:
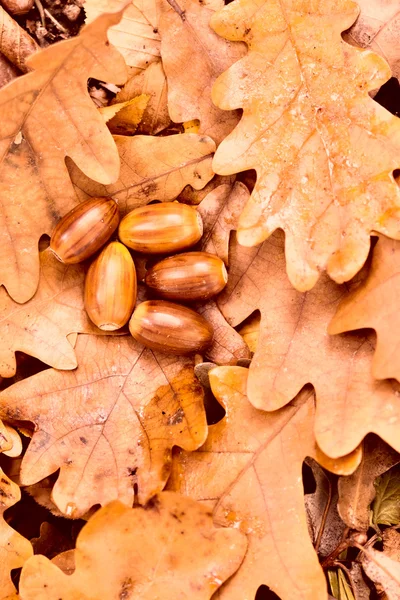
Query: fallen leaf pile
x,y
268,465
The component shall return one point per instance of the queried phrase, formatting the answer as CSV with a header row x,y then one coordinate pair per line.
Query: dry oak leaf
x,y
152,83
228,345
383,570
47,115
40,327
294,349
193,56
220,211
136,35
323,150
357,491
167,549
249,472
374,304
153,168
321,511
377,28
108,425
14,548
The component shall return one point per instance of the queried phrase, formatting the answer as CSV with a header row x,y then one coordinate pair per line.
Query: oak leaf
x,y
249,472
323,150
374,304
168,549
357,491
14,549
108,425
153,168
377,28
187,39
220,211
325,526
294,349
40,326
136,35
228,345
152,83
46,116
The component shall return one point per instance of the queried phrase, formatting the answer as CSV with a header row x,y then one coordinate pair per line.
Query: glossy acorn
x,y
161,228
111,288
84,230
188,277
171,328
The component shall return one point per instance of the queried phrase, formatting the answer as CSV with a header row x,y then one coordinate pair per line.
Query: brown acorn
x,y
171,328
188,277
110,288
84,230
161,228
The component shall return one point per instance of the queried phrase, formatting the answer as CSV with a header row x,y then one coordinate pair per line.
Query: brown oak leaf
x,y
377,28
14,548
193,56
167,549
108,425
220,211
294,349
136,35
374,304
40,326
48,115
153,168
249,472
357,491
323,149
152,83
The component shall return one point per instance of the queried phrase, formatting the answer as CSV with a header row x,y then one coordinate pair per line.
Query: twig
x,y
324,516
56,23
39,6
343,545
177,9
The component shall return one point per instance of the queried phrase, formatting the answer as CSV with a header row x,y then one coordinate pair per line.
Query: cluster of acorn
x,y
111,285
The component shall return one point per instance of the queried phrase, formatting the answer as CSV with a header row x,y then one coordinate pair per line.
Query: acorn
x,y
171,328
188,277
84,230
111,288
161,228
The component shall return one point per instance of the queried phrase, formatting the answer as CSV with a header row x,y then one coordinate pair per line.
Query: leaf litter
x,y
284,474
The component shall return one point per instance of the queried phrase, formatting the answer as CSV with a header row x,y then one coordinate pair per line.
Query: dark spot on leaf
x,y
83,440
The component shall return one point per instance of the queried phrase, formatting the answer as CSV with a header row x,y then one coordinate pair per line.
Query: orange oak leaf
x,y
153,168
377,28
294,349
220,211
40,326
168,549
14,549
374,304
193,56
108,425
136,35
249,472
48,115
323,150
